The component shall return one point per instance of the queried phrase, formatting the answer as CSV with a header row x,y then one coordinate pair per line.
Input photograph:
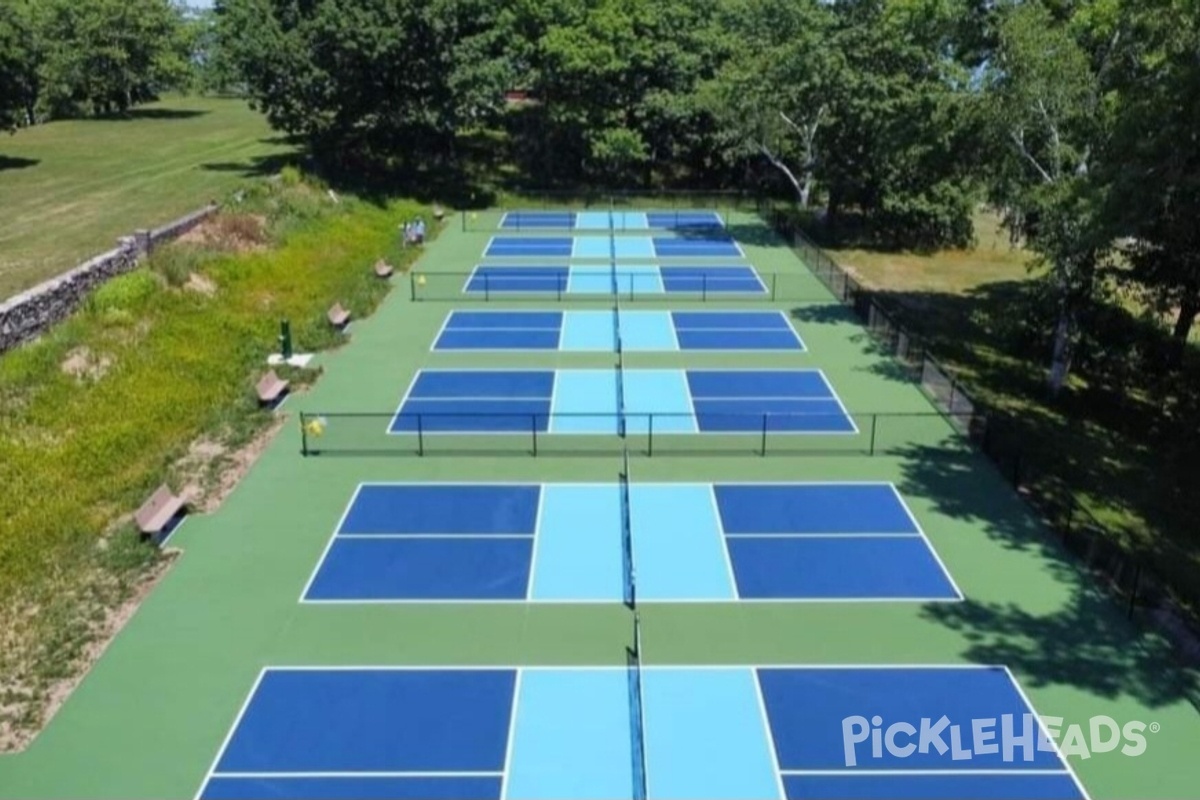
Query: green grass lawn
x,y
69,189
1109,439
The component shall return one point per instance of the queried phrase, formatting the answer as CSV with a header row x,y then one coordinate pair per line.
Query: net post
x,y
764,435
533,430
420,435
412,286
650,434
774,280
558,284
303,435
704,287
487,288
874,420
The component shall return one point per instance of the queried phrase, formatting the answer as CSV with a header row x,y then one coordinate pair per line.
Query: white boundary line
x,y
553,397
928,544
391,536
433,347
675,333
821,536
838,398
766,723
712,496
356,775
400,406
537,538
329,545
1016,685
512,730
587,601
237,721
663,665
905,773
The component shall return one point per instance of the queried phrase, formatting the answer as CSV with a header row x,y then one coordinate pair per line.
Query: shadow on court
x,y
1086,642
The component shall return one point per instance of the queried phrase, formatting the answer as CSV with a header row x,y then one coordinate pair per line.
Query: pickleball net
x,y
637,713
630,573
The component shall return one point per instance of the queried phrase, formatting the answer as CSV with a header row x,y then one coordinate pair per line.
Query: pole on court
x,y
420,436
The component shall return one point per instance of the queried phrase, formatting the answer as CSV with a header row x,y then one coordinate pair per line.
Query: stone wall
x,y
26,315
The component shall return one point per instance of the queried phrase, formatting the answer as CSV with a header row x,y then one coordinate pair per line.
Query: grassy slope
x,y
68,189
1097,441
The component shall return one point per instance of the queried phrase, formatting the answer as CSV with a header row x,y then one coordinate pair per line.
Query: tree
x,y
617,84
19,60
106,56
898,143
1154,160
370,81
1047,109
770,93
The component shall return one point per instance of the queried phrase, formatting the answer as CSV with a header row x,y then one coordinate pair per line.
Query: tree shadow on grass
x,y
11,162
1084,641
153,114
256,167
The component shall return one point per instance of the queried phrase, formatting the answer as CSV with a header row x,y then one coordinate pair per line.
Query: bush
x,y
126,292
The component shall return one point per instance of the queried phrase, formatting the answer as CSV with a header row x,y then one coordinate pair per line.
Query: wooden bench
x,y
383,269
162,507
270,388
338,316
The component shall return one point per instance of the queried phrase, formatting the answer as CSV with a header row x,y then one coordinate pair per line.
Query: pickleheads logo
x,y
1013,738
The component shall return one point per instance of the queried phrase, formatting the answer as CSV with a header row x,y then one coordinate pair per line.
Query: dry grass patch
x,y
84,365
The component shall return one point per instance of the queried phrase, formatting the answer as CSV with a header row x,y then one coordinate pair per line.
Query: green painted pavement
x,y
149,719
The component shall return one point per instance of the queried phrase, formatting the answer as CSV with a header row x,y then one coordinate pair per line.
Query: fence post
x,y
774,280
764,435
412,286
874,421
420,436
953,390
533,428
303,435
1133,590
463,214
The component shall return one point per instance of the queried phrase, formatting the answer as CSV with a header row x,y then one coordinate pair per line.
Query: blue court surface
x,y
604,220
711,245
659,732
590,401
422,542
629,279
597,331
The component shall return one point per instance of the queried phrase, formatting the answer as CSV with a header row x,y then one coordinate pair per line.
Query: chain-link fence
x,y
1140,582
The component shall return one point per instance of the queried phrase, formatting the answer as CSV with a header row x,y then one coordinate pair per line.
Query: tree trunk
x,y
1188,310
806,187
1064,348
